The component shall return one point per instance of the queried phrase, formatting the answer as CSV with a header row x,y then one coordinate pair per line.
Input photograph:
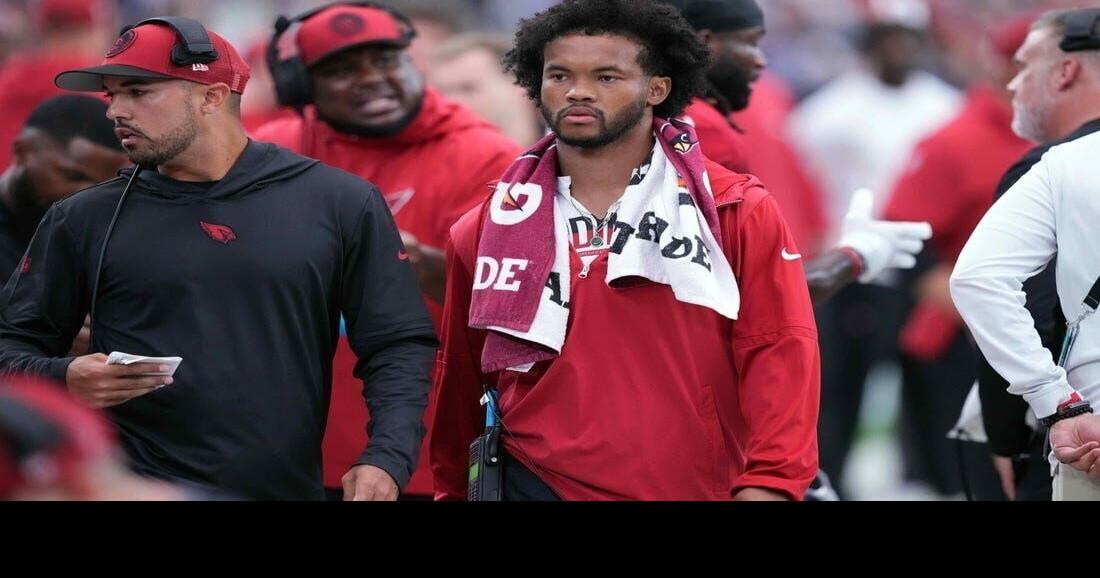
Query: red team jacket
x,y
721,142
949,186
431,173
25,81
761,150
651,398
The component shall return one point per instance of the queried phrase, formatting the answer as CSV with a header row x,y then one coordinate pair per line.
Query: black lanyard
x,y
1091,303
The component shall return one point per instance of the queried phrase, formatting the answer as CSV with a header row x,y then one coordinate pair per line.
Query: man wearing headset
x,y
366,110
237,256
1050,211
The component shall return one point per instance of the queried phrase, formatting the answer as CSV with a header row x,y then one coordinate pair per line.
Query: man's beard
x,y
167,147
380,131
732,85
1028,122
28,209
609,131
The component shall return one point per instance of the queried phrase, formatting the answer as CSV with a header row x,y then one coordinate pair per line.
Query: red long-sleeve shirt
x,y
950,183
762,151
651,398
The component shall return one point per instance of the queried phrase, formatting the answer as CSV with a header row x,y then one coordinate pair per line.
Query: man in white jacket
x,y
1053,210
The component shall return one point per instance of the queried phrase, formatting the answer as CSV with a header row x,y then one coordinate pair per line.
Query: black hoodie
x,y
245,279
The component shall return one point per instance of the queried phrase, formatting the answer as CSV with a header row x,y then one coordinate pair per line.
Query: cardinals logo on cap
x,y
347,24
122,43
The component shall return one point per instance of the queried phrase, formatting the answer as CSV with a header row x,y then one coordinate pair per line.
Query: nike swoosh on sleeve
x,y
790,257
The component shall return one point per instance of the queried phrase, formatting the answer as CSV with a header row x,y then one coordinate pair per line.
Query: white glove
x,y
882,244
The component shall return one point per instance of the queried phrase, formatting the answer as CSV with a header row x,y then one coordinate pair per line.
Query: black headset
x,y
194,46
1080,31
292,83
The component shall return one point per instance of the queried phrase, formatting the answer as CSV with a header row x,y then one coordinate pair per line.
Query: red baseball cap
x,y
45,437
341,27
146,52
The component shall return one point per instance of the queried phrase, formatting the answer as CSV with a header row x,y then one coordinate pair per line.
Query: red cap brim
x,y
386,43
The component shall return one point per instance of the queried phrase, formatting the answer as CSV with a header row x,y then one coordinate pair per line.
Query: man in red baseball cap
x,y
141,67
149,51
238,257
366,110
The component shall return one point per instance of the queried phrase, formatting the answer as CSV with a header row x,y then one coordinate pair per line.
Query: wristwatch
x,y
1074,407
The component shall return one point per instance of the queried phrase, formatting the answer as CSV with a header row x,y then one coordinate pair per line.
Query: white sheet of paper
x,y
120,358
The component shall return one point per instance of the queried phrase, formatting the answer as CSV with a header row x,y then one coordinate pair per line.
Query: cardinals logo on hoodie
x,y
220,233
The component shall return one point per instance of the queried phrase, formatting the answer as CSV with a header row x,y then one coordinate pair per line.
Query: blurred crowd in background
x,y
847,111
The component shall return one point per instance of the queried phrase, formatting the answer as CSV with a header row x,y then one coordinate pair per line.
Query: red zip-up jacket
x,y
431,173
26,80
761,151
720,141
651,398
951,187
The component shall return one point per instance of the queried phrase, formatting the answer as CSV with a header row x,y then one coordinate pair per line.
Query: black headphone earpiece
x,y
195,46
290,75
1081,31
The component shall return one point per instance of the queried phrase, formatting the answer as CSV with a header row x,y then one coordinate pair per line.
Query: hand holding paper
x,y
100,381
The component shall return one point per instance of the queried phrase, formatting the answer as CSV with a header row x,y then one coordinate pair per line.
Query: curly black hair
x,y
670,47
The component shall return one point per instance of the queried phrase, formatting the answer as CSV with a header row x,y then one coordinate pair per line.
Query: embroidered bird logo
x,y
683,143
220,233
399,199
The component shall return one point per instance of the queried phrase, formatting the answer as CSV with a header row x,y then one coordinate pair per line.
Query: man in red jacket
x,y
751,143
653,343
948,184
67,34
749,138
369,113
740,118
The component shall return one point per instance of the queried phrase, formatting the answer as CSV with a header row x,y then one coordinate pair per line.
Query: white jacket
x,y
1054,209
857,132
